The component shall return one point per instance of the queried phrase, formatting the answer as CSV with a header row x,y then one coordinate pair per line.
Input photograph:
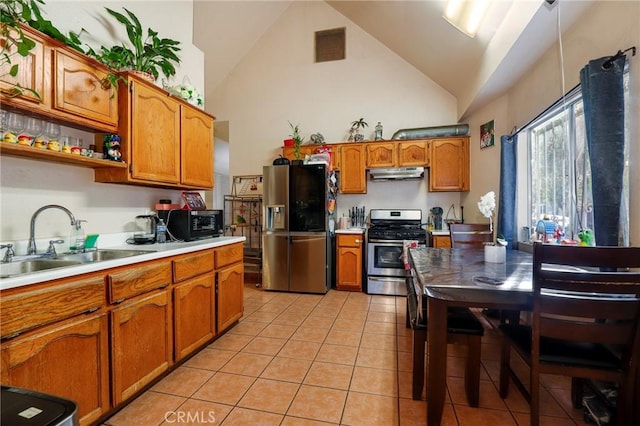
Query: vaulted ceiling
x,y
514,34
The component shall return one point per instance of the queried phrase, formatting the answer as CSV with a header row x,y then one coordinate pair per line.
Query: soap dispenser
x,y
76,241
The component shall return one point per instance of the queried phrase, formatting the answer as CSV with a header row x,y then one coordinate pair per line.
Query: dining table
x,y
462,277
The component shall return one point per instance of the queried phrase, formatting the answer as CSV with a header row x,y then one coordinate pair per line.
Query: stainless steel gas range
x,y
387,232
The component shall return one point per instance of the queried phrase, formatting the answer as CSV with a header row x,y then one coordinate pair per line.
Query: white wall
x,y
542,86
278,81
27,184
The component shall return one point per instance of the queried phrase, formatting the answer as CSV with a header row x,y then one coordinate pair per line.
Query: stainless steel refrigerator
x,y
295,241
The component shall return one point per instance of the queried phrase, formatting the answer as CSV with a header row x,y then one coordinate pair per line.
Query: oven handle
x,y
389,243
386,243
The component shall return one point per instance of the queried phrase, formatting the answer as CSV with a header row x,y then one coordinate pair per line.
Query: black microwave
x,y
189,225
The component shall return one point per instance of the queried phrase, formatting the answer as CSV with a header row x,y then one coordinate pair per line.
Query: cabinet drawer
x,y
227,255
28,309
138,279
345,240
191,265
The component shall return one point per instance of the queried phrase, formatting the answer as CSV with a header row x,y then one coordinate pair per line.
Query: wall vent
x,y
330,45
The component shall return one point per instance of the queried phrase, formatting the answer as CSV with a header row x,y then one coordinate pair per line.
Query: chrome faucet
x,y
31,249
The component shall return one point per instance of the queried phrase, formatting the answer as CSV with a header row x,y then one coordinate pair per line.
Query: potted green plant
x,y
16,13
354,132
148,53
297,141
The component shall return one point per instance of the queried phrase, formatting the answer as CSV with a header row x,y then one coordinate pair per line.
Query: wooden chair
x,y
585,323
463,327
469,235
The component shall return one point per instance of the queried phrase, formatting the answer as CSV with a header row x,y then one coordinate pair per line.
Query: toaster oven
x,y
189,225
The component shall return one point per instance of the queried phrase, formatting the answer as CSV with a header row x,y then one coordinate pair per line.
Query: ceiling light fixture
x,y
466,15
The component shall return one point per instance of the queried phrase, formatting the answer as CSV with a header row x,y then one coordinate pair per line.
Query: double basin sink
x,y
39,264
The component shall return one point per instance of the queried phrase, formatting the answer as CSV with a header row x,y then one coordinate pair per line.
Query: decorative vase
x,y
495,254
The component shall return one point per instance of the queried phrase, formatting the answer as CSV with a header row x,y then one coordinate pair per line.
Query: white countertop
x,y
156,251
350,231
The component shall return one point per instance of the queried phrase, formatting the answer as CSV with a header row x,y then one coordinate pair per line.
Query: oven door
x,y
384,258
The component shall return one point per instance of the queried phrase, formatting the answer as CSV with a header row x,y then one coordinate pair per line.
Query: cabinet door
x,y
79,90
352,171
413,154
69,359
31,75
194,314
349,259
196,148
229,295
381,154
449,164
155,135
441,241
141,343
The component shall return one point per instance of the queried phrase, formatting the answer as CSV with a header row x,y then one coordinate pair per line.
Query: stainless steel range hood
x,y
398,173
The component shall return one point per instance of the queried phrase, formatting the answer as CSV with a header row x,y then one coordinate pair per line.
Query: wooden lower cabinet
x,y
101,338
141,343
194,314
69,359
349,262
230,295
440,241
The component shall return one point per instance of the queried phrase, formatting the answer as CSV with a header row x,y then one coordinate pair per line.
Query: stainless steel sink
x,y
101,255
33,265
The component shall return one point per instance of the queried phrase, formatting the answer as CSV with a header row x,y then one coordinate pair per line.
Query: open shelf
x,y
15,150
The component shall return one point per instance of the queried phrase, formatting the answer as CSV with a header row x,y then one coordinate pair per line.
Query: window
x,y
559,181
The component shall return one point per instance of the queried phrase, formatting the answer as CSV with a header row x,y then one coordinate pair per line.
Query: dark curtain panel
x,y
603,99
507,202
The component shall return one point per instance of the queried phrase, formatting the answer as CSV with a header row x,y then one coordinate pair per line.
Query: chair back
x,y
587,295
469,235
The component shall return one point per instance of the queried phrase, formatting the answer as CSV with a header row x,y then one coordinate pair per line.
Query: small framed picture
x,y
487,135
193,201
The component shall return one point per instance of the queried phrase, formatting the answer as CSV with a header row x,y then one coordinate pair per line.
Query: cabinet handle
x,y
88,311
358,241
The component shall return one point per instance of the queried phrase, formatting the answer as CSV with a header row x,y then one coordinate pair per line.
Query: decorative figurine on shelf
x,y
111,147
586,238
378,131
545,230
354,132
317,138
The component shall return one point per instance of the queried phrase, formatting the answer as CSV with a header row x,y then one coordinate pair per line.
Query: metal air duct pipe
x,y
432,132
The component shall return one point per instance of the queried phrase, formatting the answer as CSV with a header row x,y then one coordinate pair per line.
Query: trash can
x,y
24,407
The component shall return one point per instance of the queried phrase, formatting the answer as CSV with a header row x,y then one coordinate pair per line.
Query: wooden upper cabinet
x,y
413,154
154,135
67,84
196,148
31,74
352,172
381,154
166,142
80,89
449,159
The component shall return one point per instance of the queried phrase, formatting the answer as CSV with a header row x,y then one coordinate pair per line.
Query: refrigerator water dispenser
x,y
274,219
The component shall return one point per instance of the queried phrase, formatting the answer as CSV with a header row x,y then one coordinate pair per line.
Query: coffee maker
x,y
145,232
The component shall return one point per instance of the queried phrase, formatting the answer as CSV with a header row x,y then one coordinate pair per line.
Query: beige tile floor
x,y
340,358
